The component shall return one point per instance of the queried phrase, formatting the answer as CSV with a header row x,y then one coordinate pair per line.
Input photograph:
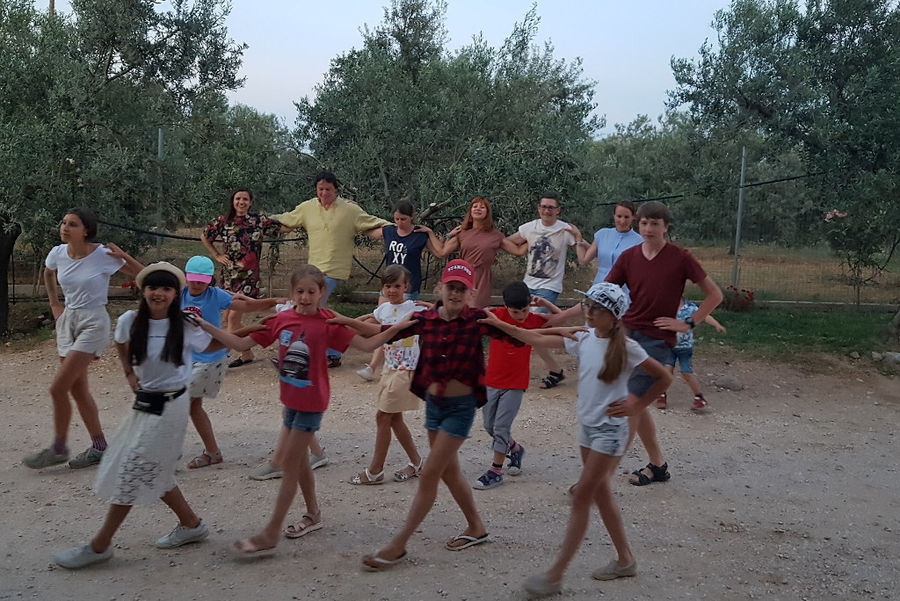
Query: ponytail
x,y
614,359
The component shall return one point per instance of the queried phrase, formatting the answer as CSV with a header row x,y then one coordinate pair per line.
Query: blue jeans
x,y
545,293
640,381
683,356
302,420
330,285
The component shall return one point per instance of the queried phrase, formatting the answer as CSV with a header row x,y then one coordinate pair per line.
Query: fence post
x,y
159,158
740,213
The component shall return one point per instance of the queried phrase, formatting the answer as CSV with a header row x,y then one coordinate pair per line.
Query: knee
x,y
383,419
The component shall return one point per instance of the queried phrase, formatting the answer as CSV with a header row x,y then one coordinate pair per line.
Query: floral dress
x,y
242,239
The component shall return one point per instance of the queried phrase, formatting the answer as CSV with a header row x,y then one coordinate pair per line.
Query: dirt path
x,y
787,489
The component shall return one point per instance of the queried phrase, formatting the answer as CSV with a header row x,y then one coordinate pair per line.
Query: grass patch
x,y
778,334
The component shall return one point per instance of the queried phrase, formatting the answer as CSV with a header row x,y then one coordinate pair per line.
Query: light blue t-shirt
x,y
610,244
685,339
209,305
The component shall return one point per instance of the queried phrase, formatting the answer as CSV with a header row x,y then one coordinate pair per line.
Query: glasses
x,y
591,306
547,208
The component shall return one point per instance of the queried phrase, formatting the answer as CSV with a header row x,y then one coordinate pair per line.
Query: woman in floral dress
x,y
241,234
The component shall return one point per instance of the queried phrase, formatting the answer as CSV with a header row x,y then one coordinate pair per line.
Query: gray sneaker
x,y
44,458
88,457
266,471
182,535
80,557
317,461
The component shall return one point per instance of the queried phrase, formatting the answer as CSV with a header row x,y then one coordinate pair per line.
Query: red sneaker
x,y
662,401
700,403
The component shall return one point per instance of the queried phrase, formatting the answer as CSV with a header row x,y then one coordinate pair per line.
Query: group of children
x,y
172,352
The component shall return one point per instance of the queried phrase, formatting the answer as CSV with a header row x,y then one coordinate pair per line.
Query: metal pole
x,y
159,158
740,214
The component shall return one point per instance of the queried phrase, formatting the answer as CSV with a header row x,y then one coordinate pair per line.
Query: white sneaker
x,y
366,373
266,471
317,461
182,535
80,557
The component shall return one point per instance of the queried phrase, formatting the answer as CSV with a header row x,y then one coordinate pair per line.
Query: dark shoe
x,y
238,362
490,479
515,462
660,473
334,362
86,458
553,379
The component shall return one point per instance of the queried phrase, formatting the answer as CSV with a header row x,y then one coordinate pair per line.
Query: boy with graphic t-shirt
x,y
507,379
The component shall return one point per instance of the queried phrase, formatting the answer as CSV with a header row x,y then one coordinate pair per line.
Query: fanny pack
x,y
150,401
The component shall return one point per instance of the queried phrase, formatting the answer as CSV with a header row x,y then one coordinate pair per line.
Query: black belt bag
x,y
153,402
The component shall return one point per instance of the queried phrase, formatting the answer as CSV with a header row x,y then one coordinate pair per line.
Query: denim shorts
x,y
606,439
304,421
683,357
454,415
640,381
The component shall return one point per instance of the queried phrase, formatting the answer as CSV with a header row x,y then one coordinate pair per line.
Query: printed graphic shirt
x,y
208,306
685,339
402,355
546,254
406,251
302,363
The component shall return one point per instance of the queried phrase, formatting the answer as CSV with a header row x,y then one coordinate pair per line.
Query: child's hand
x,y
491,319
568,332
624,408
426,304
720,329
115,252
240,296
537,301
339,319
133,381
369,318
671,324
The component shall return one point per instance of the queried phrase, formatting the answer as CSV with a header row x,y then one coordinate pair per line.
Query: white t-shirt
x,y
546,253
400,355
154,373
85,281
595,395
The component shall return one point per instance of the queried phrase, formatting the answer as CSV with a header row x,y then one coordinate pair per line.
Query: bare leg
x,y
462,494
296,472
404,437
444,449
204,427
547,357
596,474
692,382
177,503
114,518
314,447
377,360
72,377
382,441
234,320
279,456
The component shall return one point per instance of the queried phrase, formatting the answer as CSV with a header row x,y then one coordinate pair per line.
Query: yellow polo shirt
x,y
331,232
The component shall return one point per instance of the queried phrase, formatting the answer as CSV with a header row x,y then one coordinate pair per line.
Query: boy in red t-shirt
x,y
506,380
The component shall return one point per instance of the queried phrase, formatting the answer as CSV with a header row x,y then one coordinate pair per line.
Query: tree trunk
x,y
7,242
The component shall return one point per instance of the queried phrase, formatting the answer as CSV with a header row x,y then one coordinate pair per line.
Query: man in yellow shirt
x,y
331,223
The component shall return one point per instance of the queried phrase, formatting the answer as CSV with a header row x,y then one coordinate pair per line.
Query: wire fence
x,y
780,256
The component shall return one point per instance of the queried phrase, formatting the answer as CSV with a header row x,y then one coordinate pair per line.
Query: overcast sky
x,y
626,46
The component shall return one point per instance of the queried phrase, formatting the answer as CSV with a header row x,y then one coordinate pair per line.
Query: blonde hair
x,y
614,359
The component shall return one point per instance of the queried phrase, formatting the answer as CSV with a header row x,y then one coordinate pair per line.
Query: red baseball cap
x,y
458,270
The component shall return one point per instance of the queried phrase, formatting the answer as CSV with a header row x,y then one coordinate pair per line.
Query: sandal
x,y
307,524
204,459
660,473
368,478
373,563
552,380
403,475
662,401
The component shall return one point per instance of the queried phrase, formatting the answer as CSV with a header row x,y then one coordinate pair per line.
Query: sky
x,y
626,45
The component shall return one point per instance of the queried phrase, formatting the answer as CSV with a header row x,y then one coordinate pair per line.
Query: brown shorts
x,y
393,392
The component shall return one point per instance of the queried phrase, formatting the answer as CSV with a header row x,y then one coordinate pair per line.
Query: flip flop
x,y
373,563
293,531
248,548
471,541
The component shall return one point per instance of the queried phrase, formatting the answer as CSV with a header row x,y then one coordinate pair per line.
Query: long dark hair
x,y
230,213
88,220
173,348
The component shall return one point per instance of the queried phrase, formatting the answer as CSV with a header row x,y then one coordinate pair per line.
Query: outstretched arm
x,y
515,245
714,323
229,339
542,338
131,267
245,304
370,344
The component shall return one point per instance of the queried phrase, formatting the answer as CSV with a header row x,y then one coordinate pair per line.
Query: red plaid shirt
x,y
451,350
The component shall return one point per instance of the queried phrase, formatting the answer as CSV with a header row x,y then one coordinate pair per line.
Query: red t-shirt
x,y
508,365
655,286
303,365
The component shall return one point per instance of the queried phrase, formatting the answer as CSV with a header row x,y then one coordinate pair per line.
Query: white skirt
x,y
138,466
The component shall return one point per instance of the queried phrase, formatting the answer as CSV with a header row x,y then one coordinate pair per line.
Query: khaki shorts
x,y
393,392
208,378
83,330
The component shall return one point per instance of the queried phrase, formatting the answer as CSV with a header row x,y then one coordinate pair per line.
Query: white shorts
x,y
606,439
83,330
208,378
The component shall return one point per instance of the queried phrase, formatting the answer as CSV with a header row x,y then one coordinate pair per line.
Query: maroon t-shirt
x,y
655,286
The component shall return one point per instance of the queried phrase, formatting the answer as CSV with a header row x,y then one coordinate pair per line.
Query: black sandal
x,y
660,474
552,380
